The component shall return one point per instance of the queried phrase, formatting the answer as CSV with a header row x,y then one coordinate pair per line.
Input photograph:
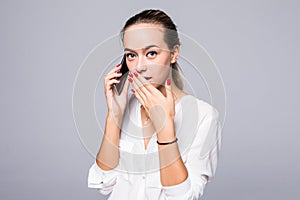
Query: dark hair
x,y
170,34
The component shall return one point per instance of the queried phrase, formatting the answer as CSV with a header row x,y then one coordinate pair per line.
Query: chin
x,y
156,85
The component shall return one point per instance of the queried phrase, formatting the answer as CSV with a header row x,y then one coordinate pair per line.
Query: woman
x,y
160,142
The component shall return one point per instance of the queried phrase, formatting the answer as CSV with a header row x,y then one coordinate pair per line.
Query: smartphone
x,y
124,69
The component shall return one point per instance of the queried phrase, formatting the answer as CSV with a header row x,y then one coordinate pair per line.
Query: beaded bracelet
x,y
166,143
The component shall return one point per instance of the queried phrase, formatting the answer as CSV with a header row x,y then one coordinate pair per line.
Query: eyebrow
x,y
145,48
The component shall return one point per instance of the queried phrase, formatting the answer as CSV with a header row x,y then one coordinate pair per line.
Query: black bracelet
x,y
166,143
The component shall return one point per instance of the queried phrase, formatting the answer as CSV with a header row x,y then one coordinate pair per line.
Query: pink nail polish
x,y
169,82
118,65
130,74
132,90
136,74
130,80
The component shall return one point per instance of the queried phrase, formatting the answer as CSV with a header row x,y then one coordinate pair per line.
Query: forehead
x,y
141,35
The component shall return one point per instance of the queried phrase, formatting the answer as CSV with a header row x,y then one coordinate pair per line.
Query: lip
x,y
147,78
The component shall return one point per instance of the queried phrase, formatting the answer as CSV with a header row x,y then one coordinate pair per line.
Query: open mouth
x,y
147,78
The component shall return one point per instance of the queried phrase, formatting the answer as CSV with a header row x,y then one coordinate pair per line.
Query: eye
x,y
130,56
151,54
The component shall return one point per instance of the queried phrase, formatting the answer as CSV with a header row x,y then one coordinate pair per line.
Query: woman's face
x,y
147,53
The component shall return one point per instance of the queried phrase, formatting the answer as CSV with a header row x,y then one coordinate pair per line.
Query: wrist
x,y
166,143
114,115
167,133
112,118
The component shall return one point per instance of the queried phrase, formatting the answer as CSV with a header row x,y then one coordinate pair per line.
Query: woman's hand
x,y
116,103
160,108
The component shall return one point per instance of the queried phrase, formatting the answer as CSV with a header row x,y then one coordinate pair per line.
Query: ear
x,y
175,53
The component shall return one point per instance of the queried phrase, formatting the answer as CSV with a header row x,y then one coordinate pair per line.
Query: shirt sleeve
x,y
201,160
102,180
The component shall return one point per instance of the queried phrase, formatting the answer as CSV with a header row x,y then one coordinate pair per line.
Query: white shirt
x,y
137,177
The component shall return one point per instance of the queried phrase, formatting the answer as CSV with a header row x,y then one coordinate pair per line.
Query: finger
x,y
111,82
110,85
146,83
113,75
169,94
142,80
137,87
115,69
138,96
142,84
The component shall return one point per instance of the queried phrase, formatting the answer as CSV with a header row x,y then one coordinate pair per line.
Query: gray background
x,y
255,44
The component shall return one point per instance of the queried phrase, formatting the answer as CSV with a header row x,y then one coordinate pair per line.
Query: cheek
x,y
131,65
164,59
159,75
130,68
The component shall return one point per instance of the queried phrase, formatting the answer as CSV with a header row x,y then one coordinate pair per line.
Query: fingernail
x,y
136,74
132,90
118,65
169,82
130,80
119,72
130,74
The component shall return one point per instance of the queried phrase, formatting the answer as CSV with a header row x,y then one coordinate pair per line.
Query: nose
x,y
141,65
